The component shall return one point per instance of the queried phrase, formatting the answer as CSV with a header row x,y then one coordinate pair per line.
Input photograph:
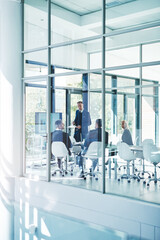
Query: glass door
x,y
35,128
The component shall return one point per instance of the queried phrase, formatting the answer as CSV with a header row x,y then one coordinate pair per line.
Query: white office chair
x,y
141,156
60,151
94,152
126,154
152,154
76,150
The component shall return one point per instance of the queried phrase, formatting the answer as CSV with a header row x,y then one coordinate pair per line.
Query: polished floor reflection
x,y
134,189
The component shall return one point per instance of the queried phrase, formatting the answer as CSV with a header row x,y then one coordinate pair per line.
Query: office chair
x,y
60,152
76,150
141,156
152,154
93,153
126,154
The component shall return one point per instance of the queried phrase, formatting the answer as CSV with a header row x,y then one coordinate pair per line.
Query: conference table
x,y
133,148
136,148
110,153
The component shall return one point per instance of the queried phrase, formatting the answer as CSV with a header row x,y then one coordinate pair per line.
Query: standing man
x,y
126,136
82,121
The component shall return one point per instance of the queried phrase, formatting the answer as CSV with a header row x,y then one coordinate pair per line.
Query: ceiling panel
x,y
79,7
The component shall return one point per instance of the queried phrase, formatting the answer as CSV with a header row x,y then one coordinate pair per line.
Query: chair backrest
x,y
147,148
151,153
59,149
147,141
95,148
125,152
76,149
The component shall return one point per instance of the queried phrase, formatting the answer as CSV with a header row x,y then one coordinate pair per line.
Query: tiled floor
x,y
134,189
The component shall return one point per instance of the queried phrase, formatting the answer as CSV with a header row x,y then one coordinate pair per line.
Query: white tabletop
x,y
136,148
71,126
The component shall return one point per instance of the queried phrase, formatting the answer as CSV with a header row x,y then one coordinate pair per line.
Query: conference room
x,y
117,78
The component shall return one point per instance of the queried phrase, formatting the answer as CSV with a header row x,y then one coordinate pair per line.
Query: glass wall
x,y
75,20
35,63
78,78
35,24
35,128
75,57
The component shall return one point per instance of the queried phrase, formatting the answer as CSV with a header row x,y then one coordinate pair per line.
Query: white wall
x,y
10,111
10,89
137,218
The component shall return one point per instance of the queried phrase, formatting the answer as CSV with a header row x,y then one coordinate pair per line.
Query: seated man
x,y
95,135
59,136
126,136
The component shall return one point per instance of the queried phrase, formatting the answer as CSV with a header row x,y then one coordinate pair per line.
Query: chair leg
x,y
91,173
155,179
128,175
144,172
61,169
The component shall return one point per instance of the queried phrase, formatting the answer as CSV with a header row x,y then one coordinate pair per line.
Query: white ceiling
x,y
76,19
88,6
80,7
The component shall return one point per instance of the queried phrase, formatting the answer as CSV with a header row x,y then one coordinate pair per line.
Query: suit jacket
x,y
60,136
84,120
126,137
95,135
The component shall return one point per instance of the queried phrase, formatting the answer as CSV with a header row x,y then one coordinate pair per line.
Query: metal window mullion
x,y
35,78
135,65
23,90
133,29
103,96
34,50
96,71
76,41
156,108
49,95
113,33
24,127
125,103
140,94
88,67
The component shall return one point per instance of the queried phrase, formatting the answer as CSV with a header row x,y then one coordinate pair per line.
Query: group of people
x,y
81,122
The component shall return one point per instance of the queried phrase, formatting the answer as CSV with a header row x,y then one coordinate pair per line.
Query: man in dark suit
x,y
82,121
95,135
59,136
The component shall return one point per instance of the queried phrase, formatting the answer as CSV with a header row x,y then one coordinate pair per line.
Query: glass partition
x,y
128,73
76,20
35,128
120,57
125,14
35,63
75,130
150,52
74,94
148,117
151,73
35,24
75,57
